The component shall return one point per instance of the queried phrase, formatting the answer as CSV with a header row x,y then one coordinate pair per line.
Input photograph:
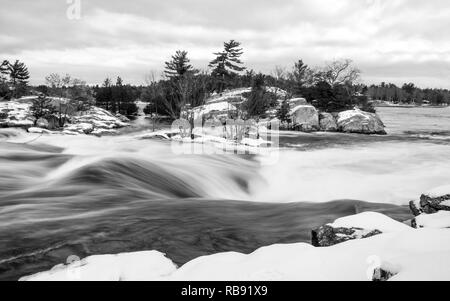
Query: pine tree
x,y
299,77
178,66
4,68
227,64
283,111
19,75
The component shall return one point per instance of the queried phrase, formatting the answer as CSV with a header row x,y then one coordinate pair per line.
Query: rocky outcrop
x,y
295,102
305,118
357,121
359,226
42,123
327,122
327,235
432,210
94,121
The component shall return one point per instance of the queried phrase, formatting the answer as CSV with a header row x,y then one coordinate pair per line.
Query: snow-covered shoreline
x,y
395,252
355,260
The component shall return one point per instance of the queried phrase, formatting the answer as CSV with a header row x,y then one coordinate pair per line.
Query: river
x,y
83,195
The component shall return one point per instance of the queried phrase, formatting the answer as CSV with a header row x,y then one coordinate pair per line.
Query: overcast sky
x,y
389,40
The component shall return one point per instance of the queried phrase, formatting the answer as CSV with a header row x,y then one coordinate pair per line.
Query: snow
x,y
440,219
438,192
352,260
295,109
370,221
418,254
147,265
351,113
18,114
216,106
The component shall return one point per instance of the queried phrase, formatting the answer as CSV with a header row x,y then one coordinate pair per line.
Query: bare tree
x,y
339,72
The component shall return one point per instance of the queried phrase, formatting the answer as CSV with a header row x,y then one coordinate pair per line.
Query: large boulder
x,y
357,121
327,122
295,102
359,226
305,118
42,123
433,209
327,235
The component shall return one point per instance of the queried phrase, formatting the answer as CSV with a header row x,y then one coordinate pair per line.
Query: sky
x,y
389,40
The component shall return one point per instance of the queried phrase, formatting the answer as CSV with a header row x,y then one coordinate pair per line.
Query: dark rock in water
x,y
380,274
429,205
326,236
435,203
413,207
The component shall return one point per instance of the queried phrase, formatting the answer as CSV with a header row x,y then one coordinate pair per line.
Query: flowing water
x,y
65,195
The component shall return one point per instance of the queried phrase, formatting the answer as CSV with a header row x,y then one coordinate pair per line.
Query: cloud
x,y
401,40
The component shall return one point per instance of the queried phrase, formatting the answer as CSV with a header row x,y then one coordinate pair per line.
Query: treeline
x,y
408,93
333,87
117,98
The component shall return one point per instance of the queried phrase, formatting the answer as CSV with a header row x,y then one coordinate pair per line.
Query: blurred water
x,y
64,195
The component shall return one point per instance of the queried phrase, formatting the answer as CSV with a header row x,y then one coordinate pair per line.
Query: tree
x,y
5,92
259,100
283,111
178,66
18,75
227,64
339,72
300,76
42,107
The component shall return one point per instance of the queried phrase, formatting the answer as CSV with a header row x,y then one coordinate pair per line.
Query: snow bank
x,y
370,220
17,114
357,260
440,219
148,265
353,260
216,106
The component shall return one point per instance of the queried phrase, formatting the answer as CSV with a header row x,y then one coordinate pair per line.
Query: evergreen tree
x,y
178,66
259,100
299,78
19,75
283,111
42,107
227,64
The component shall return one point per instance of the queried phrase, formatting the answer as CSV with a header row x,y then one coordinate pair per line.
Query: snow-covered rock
x,y
295,102
357,121
148,265
42,123
432,202
94,121
16,114
305,118
327,122
370,220
358,226
216,108
400,253
438,220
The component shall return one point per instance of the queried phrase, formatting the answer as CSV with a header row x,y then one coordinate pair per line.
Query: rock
x,y
327,235
414,208
357,121
305,118
385,271
42,123
295,102
430,204
327,122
